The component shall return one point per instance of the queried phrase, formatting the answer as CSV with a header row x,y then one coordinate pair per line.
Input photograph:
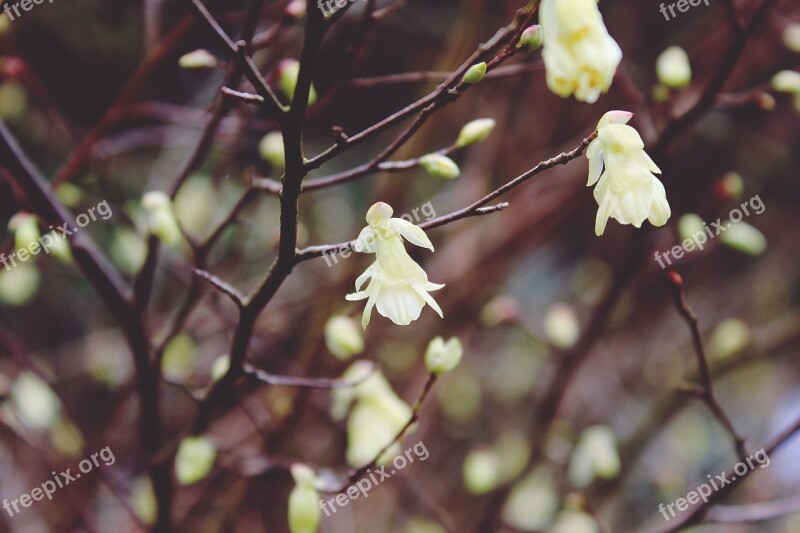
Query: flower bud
x,y
13,100
690,225
730,186
744,238
34,402
194,460
531,39
143,500
729,338
378,212
574,522
791,37
343,337
440,166
179,359
304,509
475,132
69,194
474,74
561,326
25,228
532,503
481,470
220,366
288,71
19,285
5,25
200,58
501,310
271,149
161,220
594,456
296,9
673,69
442,357
128,250
786,81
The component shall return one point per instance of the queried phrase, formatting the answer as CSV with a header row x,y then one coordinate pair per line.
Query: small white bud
x,y
531,39
729,338
343,337
673,68
791,37
271,149
481,470
442,357
25,228
34,402
161,220
561,326
786,81
475,132
200,58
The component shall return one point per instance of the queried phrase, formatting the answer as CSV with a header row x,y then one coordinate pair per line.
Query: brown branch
x,y
439,76
475,209
292,381
706,391
226,288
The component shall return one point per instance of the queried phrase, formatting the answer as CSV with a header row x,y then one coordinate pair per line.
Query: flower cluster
x,y
627,189
397,285
580,56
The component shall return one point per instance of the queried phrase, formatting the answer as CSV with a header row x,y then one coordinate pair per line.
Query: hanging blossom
x,y
397,285
627,189
580,56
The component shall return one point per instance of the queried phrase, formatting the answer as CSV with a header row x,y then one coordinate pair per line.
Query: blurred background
x,y
563,331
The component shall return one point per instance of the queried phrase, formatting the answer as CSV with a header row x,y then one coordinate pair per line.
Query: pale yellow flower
x,y
627,189
580,56
398,286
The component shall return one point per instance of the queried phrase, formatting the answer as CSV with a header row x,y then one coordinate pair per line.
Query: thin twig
x,y
226,288
706,391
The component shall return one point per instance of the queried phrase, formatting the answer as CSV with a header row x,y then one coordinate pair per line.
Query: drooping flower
x,y
397,285
377,414
580,56
304,511
627,189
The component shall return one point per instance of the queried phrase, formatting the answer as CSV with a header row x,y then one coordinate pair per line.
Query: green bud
x,y
440,166
673,69
194,460
531,39
474,74
786,81
13,100
271,149
744,238
594,456
481,471
5,25
442,357
200,58
288,71
143,500
179,358
690,225
731,186
19,285
304,509
128,250
66,438
532,503
343,337
475,132
220,366
25,228
161,220
574,522
729,338
69,194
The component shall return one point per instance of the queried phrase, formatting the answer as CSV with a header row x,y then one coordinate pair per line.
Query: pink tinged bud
x,y
615,117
